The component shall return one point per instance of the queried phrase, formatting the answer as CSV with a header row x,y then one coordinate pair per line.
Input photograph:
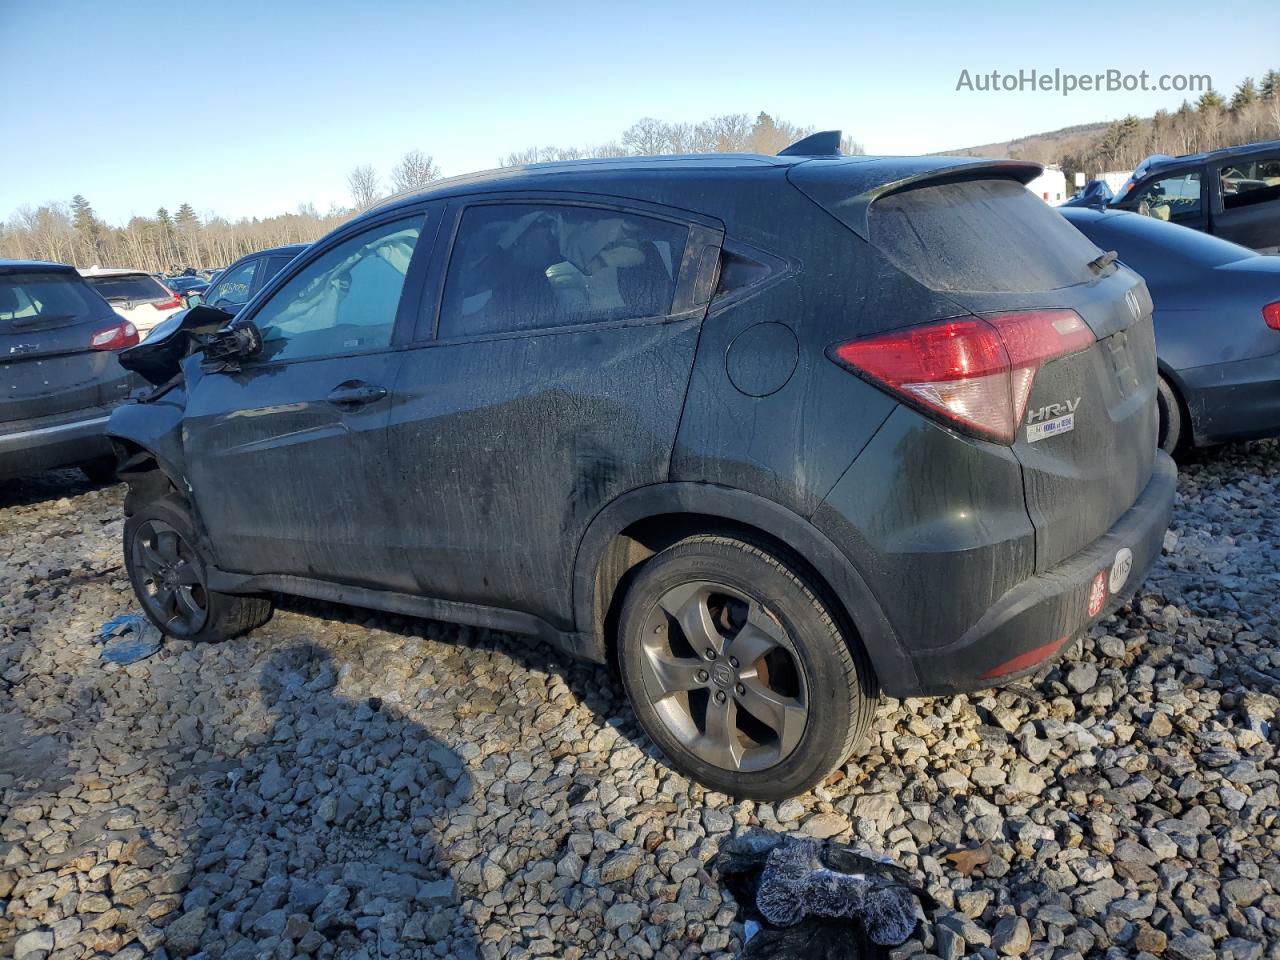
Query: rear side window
x,y
134,286
1247,182
531,266
980,236
40,300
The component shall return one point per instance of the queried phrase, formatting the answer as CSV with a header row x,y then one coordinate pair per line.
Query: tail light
x,y
1271,314
123,334
973,373
169,304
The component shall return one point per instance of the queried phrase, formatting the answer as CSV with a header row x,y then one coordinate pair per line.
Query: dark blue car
x,y
1217,319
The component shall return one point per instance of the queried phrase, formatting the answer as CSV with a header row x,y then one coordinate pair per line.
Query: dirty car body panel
x,y
484,465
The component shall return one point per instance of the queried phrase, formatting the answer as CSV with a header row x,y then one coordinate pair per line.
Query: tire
x,y
168,575
1171,438
765,729
102,470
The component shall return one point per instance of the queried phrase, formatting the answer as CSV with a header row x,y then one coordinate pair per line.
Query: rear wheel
x,y
169,576
738,670
1171,431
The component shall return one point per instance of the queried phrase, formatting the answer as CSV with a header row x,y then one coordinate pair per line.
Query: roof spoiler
x,y
824,144
847,188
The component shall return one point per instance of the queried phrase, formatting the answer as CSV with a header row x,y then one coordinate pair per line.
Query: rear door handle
x,y
355,393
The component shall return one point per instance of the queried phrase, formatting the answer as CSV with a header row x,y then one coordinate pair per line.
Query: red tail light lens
x,y
169,304
1271,314
973,373
122,335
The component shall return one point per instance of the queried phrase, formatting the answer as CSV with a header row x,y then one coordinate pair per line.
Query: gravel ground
x,y
347,784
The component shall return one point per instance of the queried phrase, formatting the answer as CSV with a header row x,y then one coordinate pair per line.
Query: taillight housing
x,y
973,373
123,334
168,304
1271,314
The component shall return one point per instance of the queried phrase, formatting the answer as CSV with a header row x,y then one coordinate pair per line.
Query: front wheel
x,y
169,577
738,669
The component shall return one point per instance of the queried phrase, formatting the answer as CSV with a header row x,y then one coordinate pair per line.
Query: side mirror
x,y
190,300
227,348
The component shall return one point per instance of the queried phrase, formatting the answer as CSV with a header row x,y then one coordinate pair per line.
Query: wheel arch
x,y
639,523
1180,395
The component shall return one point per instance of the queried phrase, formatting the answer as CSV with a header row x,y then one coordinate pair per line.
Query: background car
x,y
61,378
134,294
185,285
1095,193
1233,193
716,416
1217,322
240,281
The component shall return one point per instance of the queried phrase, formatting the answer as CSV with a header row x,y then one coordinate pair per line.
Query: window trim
x,y
695,279
410,293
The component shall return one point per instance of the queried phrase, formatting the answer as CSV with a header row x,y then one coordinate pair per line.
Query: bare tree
x,y
365,187
414,171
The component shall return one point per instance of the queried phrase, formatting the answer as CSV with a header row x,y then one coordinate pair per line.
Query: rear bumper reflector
x,y
1025,660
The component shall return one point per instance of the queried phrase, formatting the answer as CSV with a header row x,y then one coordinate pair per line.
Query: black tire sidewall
x,y
1171,415
176,515
825,661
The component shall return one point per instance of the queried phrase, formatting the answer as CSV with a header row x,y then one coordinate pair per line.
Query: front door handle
x,y
355,393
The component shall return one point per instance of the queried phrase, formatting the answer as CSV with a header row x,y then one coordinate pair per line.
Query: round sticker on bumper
x,y
1120,569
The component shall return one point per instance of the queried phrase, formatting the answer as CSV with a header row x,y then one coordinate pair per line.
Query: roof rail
x,y
824,144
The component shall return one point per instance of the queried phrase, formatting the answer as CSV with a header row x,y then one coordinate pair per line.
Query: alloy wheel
x,y
724,676
172,578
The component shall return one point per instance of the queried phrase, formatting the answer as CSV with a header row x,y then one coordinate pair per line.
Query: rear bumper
x,y
71,438
1036,620
1234,401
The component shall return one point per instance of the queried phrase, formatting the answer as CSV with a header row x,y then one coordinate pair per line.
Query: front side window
x,y
1252,181
233,286
1174,199
344,301
525,266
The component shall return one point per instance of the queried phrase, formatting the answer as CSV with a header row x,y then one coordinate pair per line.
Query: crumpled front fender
x,y
151,430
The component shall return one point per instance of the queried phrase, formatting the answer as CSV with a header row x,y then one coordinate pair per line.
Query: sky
x,y
254,108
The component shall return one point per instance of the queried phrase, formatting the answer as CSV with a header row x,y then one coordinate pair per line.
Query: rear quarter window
x,y
980,236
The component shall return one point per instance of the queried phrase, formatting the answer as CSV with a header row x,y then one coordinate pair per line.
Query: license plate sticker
x,y
1051,428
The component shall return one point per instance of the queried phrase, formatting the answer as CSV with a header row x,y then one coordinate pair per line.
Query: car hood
x,y
158,358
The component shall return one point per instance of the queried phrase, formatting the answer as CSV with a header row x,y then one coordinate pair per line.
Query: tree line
x,y
1251,113
73,233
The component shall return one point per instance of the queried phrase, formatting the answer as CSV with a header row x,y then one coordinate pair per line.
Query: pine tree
x,y
1270,85
1245,95
1210,100
88,230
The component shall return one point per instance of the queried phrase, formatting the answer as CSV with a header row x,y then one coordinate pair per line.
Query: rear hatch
x,y
49,365
138,297
1085,432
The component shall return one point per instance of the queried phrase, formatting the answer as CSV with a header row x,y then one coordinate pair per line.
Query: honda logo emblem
x,y
1134,305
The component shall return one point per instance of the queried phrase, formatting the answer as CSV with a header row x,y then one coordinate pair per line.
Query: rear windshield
x,y
133,286
40,300
980,236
